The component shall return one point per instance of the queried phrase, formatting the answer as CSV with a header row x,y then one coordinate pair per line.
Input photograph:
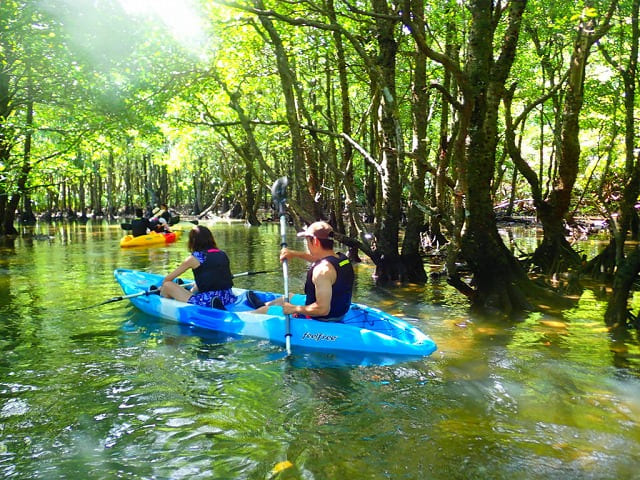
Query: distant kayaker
x,y
162,226
140,225
162,212
329,283
211,272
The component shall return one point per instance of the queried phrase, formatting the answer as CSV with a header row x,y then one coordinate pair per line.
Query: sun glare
x,y
180,17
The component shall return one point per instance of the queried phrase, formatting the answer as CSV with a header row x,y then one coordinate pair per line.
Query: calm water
x,y
109,393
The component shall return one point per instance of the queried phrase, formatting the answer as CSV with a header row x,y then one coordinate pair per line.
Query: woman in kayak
x,y
211,272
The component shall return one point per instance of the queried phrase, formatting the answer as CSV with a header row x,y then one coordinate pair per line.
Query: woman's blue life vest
x,y
342,289
214,272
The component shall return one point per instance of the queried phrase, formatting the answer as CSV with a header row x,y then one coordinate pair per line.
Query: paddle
x,y
155,290
245,274
127,226
152,290
176,219
279,196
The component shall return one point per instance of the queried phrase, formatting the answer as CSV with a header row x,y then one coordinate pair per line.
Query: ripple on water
x,y
14,407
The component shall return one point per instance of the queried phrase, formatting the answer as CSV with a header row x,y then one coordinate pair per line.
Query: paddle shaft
x,y
126,297
122,297
245,274
285,274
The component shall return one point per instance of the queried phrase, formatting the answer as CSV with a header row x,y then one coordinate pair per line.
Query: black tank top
x,y
214,273
139,226
341,290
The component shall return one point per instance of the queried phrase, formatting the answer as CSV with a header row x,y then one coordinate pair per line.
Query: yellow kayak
x,y
152,238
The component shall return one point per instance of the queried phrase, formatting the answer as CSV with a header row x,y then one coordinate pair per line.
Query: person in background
x,y
162,212
140,225
162,226
329,284
211,272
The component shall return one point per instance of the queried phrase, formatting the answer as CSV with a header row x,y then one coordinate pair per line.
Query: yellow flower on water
x,y
280,466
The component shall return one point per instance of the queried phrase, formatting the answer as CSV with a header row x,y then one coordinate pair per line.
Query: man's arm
x,y
287,253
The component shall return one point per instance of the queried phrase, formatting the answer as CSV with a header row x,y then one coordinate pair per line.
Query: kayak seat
x,y
253,301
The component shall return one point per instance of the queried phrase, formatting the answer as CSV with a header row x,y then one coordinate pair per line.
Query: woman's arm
x,y
190,262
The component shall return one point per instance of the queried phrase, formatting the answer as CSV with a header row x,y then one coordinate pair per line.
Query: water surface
x,y
111,393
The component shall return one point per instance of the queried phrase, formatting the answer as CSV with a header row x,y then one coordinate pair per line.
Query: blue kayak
x,y
365,330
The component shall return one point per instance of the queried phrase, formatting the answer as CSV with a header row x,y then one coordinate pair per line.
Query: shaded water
x,y
111,393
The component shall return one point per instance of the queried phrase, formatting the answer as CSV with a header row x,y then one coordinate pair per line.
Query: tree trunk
x,y
7,214
250,205
215,201
388,228
24,172
111,207
96,190
616,314
355,227
629,266
499,280
299,188
412,262
249,152
555,254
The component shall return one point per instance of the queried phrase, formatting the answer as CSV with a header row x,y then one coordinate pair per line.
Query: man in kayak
x,y
330,277
140,225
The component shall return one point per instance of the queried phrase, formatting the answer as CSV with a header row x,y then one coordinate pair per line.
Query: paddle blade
x,y
279,190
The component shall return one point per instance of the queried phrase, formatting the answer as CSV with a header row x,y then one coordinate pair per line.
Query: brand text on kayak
x,y
319,337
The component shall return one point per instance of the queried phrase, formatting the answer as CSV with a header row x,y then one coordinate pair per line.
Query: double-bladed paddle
x,y
128,226
155,290
279,196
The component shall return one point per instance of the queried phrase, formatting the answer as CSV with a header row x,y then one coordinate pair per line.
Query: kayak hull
x,y
152,238
364,330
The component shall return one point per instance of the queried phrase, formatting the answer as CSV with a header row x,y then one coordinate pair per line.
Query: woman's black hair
x,y
201,239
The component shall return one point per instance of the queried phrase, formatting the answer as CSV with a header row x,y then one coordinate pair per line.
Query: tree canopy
x,y
407,124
